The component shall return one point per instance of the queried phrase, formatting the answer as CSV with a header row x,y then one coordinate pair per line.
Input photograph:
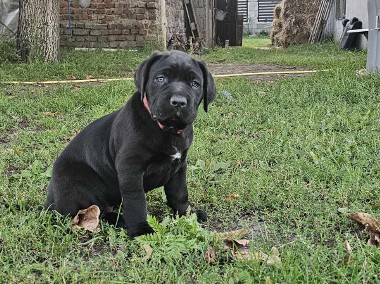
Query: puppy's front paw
x,y
139,229
201,216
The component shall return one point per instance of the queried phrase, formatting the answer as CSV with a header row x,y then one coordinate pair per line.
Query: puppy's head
x,y
175,84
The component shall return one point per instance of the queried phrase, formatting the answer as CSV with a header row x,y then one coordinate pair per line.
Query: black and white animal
x,y
121,156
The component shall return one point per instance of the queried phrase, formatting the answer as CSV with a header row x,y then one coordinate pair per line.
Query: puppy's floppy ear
x,y
142,72
209,90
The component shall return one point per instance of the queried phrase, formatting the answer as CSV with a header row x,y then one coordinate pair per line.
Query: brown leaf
x,y
241,243
232,235
148,250
53,114
246,254
210,255
74,135
231,196
347,257
367,220
87,219
374,240
230,114
89,77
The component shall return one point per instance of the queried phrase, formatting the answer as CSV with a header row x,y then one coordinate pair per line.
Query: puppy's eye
x,y
195,84
160,79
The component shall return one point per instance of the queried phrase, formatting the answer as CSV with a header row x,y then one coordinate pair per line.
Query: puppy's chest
x,y
166,161
162,166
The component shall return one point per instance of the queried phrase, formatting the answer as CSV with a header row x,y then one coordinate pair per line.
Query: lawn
x,y
286,160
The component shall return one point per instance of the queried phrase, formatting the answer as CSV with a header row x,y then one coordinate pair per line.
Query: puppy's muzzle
x,y
178,101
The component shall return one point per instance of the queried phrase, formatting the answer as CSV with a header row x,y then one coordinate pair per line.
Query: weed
x,y
283,159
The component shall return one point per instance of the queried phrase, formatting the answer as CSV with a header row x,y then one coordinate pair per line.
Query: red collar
x,y
160,125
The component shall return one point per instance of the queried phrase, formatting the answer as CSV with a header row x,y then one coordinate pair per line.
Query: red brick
x,y
80,38
131,38
80,32
119,5
95,32
140,17
151,5
112,38
84,17
101,26
139,10
114,32
114,44
110,18
140,38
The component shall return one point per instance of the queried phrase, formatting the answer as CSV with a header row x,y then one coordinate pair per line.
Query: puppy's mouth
x,y
175,123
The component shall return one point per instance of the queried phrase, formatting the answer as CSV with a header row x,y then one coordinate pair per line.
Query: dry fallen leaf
x,y
210,255
371,224
230,114
53,114
232,235
241,250
87,219
242,243
347,257
148,250
374,240
367,220
74,135
231,196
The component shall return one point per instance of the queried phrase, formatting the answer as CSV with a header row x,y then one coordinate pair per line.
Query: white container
x,y
84,3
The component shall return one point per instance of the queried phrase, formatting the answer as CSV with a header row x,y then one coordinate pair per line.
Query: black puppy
x,y
119,157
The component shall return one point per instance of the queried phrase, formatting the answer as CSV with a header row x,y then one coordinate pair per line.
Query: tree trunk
x,y
38,30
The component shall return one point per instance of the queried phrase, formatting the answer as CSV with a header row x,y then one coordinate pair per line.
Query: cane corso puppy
x,y
121,156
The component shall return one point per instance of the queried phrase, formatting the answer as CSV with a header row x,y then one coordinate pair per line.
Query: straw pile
x,y
293,21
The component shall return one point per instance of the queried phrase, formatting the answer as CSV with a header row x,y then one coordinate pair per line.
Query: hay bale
x,y
277,24
293,21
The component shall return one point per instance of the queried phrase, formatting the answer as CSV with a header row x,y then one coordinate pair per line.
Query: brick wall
x,y
119,23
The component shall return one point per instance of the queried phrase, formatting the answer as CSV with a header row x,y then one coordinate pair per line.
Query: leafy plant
x,y
176,238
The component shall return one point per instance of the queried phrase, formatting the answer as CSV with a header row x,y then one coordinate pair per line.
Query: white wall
x,y
354,8
254,26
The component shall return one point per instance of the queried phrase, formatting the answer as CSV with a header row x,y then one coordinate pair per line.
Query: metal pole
x,y
373,49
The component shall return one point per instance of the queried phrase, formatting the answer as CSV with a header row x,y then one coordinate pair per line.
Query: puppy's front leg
x,y
177,196
134,202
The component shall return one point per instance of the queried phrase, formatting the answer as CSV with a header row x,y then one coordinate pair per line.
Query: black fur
x,y
119,157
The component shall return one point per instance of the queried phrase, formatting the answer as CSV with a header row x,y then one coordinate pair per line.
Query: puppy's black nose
x,y
178,101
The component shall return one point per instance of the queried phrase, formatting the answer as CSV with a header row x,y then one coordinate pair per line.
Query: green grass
x,y
296,151
256,42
